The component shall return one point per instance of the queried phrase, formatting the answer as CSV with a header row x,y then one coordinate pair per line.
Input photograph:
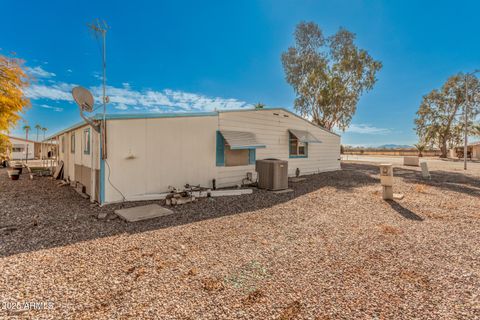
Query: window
x,y
63,144
72,143
236,157
86,141
17,149
298,149
228,157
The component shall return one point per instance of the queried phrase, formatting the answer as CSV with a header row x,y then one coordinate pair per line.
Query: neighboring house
x,y
147,153
19,147
473,151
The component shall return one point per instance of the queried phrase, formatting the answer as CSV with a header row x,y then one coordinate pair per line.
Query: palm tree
x,y
38,127
44,130
26,128
259,106
421,148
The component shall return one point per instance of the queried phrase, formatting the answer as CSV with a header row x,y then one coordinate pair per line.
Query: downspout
x,y
92,168
102,165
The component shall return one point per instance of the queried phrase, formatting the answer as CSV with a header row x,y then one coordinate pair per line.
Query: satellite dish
x,y
83,98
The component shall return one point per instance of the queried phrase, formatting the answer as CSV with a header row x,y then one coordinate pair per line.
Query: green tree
x,y
476,130
440,121
328,75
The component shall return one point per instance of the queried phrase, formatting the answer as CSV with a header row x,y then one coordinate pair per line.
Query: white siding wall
x,y
165,151
78,157
18,143
271,128
148,155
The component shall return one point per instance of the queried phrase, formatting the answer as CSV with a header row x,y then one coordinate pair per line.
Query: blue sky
x,y
168,56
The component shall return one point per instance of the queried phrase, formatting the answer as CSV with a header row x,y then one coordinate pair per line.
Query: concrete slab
x,y
297,179
222,193
283,191
143,212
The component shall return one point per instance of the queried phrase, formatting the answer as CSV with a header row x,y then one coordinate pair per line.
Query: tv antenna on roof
x,y
99,28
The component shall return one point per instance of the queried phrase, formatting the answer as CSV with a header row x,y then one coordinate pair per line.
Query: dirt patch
x,y
388,229
291,311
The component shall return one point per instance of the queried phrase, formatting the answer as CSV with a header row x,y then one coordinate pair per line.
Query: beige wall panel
x,y
270,127
126,138
165,151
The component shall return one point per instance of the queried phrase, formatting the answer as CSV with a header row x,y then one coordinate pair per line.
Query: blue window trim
x,y
220,157
252,155
295,157
102,171
86,149
260,146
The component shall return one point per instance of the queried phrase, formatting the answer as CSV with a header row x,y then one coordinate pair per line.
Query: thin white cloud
x,y
97,75
367,129
39,72
121,106
56,109
124,98
58,91
69,70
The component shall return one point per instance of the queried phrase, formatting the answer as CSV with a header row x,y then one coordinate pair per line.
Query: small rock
x,y
102,215
112,216
8,229
398,196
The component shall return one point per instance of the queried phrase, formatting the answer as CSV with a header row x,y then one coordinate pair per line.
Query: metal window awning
x,y
304,136
241,140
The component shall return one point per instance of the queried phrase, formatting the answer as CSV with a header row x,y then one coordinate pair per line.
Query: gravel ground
x,y
332,249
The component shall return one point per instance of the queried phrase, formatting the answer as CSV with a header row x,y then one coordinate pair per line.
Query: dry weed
x,y
253,297
212,284
388,229
291,311
421,188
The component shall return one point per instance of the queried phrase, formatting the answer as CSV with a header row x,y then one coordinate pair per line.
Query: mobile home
x,y
22,149
138,157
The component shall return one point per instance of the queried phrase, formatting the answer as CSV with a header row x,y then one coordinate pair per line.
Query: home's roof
x,y
126,116
23,139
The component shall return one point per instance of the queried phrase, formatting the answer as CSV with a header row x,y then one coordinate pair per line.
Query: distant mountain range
x,y
395,146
